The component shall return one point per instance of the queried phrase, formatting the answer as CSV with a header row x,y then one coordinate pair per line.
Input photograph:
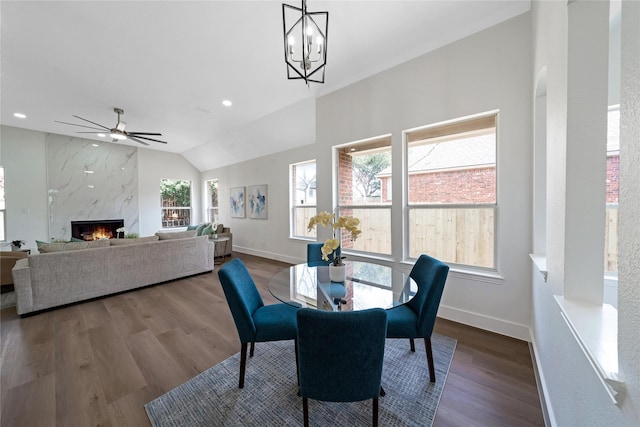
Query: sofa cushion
x,y
71,246
138,240
176,235
192,227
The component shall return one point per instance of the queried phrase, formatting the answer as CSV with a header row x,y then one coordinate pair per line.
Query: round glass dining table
x,y
367,285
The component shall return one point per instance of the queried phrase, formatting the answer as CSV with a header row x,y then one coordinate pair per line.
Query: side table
x,y
216,253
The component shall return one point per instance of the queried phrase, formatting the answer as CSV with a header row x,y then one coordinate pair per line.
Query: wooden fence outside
x,y
460,236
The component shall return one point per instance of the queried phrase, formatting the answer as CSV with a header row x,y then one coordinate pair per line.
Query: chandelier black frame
x,y
299,24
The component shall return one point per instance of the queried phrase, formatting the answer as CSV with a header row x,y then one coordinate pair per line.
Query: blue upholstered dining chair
x,y
255,321
416,318
314,255
340,356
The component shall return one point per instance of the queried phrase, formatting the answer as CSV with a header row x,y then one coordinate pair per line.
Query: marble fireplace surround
x,y
90,180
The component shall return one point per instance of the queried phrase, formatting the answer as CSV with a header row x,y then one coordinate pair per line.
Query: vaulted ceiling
x,y
170,64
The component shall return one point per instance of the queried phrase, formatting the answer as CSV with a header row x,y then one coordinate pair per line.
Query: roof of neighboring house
x,y
475,151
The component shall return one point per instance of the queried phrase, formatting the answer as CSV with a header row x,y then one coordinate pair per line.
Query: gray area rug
x,y
269,397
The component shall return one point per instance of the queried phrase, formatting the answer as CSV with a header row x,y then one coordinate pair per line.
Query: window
x,y
3,235
613,183
303,198
175,196
364,182
451,186
211,187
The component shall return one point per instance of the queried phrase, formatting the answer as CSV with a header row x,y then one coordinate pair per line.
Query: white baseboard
x,y
545,403
487,323
270,255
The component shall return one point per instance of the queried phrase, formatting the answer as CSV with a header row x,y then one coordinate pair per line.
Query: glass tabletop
x,y
368,285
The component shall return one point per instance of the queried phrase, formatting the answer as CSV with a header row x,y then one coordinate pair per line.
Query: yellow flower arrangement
x,y
328,219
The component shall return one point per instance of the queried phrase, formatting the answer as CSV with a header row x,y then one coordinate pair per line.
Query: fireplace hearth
x,y
96,229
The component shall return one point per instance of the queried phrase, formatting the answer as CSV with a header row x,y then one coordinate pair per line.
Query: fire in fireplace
x,y
96,229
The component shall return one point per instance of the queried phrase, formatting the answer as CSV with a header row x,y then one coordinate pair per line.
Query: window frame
x,y
165,223
380,142
408,206
307,235
214,210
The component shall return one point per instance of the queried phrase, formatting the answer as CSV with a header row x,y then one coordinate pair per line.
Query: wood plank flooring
x,y
97,363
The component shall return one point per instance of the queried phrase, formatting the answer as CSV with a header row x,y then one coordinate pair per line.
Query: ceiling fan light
x,y
117,136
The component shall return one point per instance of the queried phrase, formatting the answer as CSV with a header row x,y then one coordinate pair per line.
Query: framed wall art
x,y
257,201
237,202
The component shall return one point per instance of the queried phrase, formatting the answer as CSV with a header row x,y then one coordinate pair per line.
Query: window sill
x,y
540,261
595,328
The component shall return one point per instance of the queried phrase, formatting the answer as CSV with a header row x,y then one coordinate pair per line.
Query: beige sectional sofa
x,y
60,277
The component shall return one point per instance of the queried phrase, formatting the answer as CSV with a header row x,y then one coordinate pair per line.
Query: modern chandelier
x,y
305,42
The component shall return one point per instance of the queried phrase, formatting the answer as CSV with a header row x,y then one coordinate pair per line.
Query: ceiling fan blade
x,y
95,133
73,124
144,133
148,139
137,140
97,124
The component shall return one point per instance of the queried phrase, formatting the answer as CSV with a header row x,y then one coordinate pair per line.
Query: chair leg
x,y
382,392
375,412
243,363
295,344
305,411
413,345
432,369
253,345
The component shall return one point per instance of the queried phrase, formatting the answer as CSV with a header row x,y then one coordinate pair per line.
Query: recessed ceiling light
x,y
88,171
227,103
20,115
90,186
102,135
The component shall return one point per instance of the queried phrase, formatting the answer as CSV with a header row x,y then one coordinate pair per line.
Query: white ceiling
x,y
169,65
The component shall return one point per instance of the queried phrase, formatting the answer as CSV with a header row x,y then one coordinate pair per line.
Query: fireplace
x,y
96,229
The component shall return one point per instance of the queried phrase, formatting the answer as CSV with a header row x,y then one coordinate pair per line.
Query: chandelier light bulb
x,y
291,40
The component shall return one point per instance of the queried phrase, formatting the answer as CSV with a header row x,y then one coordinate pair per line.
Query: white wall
x,y
573,390
263,237
23,155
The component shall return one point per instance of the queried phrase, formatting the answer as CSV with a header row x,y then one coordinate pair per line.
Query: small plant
x,y
131,236
17,243
336,223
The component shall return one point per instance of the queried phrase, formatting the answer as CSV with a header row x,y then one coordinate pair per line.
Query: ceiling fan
x,y
117,132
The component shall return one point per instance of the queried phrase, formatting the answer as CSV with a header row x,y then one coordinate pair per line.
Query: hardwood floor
x,y
98,362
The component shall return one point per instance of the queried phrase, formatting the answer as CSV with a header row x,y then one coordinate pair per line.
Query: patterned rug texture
x,y
269,397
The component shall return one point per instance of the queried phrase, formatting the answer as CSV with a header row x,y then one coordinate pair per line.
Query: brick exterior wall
x,y
613,178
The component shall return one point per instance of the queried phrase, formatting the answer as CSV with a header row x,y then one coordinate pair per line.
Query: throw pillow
x,y
192,227
176,235
200,228
208,230
60,247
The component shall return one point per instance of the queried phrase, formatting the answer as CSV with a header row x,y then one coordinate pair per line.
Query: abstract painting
x,y
237,202
257,201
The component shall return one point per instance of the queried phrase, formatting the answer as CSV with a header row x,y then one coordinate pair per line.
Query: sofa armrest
x,y
22,285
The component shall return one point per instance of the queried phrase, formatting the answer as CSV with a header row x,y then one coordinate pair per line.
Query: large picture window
x,y
211,187
451,191
303,198
175,197
364,182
